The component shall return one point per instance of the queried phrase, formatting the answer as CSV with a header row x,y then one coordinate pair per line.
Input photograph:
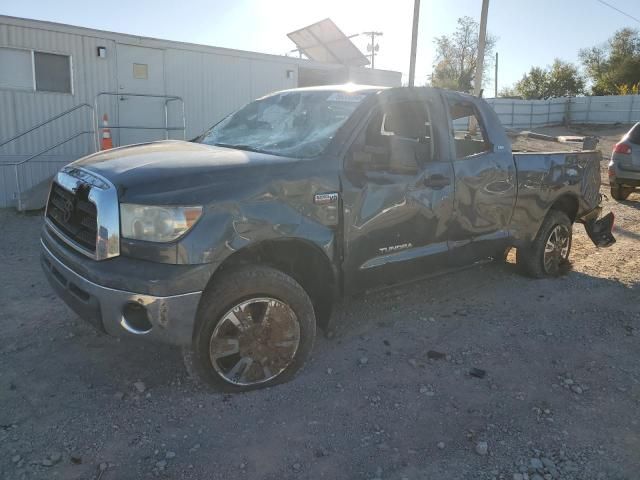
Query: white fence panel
x,y
612,109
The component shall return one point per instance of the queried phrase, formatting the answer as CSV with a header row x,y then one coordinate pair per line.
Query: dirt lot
x,y
561,394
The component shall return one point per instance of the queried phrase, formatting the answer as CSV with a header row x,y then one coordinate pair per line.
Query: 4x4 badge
x,y
325,198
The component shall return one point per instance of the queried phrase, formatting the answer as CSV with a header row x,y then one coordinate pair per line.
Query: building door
x,y
141,71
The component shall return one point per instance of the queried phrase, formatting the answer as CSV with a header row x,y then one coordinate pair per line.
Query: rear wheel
x,y
255,329
548,254
620,193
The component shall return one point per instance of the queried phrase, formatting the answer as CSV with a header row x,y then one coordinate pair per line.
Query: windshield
x,y
292,124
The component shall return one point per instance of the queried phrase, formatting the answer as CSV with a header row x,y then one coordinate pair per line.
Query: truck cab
x,y
421,192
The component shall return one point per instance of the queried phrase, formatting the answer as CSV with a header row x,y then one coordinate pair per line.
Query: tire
x,y
620,193
228,316
531,259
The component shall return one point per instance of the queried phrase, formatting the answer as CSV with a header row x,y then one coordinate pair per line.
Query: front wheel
x,y
255,328
548,254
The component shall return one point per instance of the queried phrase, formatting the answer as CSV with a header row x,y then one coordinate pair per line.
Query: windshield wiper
x,y
248,148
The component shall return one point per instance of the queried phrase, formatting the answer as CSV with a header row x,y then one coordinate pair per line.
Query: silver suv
x,y
624,168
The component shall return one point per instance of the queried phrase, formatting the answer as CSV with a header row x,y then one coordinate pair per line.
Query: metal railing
x,y
48,121
41,152
167,99
16,165
94,132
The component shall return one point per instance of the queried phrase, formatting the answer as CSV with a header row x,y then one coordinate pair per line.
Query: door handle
x,y
437,181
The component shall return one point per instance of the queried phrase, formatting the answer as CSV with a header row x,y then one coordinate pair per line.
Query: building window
x,y
30,70
52,72
16,69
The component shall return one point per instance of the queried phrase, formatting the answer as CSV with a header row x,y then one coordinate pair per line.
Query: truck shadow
x,y
439,308
468,294
633,203
626,233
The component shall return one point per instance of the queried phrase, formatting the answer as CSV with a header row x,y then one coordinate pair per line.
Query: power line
x,y
618,10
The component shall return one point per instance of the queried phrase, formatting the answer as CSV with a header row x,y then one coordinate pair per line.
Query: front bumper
x,y
168,319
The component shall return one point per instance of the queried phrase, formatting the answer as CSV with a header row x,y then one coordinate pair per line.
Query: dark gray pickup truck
x,y
238,244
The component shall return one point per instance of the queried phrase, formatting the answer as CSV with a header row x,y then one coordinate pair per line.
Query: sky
x,y
529,33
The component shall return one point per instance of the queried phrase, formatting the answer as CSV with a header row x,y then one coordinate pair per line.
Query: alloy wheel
x,y
255,341
556,250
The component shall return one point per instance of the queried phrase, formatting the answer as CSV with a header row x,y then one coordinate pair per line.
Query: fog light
x,y
135,319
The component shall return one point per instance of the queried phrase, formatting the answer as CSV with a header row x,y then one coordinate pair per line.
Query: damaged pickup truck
x,y
238,244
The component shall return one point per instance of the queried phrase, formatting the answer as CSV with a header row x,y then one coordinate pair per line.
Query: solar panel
x,y
324,42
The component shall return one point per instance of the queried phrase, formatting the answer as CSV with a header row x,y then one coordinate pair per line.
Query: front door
x,y
485,183
397,195
141,71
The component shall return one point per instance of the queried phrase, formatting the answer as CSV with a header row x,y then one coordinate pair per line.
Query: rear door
x,y
395,218
141,71
485,180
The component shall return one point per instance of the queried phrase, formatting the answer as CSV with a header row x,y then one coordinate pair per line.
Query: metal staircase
x,y
28,186
18,166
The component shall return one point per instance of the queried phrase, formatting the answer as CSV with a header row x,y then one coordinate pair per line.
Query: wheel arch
x,y
568,204
528,227
302,260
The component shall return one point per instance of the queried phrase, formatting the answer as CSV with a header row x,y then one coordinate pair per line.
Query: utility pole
x,y
414,42
496,77
373,47
481,43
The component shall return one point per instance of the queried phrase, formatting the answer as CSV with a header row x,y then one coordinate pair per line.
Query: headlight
x,y
157,224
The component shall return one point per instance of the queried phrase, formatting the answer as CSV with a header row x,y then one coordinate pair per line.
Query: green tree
x,y
614,65
565,80
457,56
508,92
561,79
534,84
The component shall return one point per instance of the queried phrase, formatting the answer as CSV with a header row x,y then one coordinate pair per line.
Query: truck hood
x,y
176,171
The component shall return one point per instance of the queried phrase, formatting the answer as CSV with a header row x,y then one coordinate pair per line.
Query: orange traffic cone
x,y
106,143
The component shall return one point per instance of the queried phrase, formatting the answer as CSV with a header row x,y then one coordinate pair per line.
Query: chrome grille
x,y
83,211
74,215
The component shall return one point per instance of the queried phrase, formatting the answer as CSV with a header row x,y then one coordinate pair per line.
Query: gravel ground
x,y
477,375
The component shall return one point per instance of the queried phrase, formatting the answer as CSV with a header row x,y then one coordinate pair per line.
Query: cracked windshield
x,y
295,124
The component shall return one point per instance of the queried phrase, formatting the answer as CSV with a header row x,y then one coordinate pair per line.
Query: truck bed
x,y
543,177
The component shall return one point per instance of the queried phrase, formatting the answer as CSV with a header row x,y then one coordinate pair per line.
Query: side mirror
x,y
398,157
376,150
371,157
402,158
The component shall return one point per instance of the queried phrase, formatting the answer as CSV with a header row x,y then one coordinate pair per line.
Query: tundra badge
x,y
395,248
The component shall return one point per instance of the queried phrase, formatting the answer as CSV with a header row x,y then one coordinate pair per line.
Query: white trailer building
x,y
57,81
